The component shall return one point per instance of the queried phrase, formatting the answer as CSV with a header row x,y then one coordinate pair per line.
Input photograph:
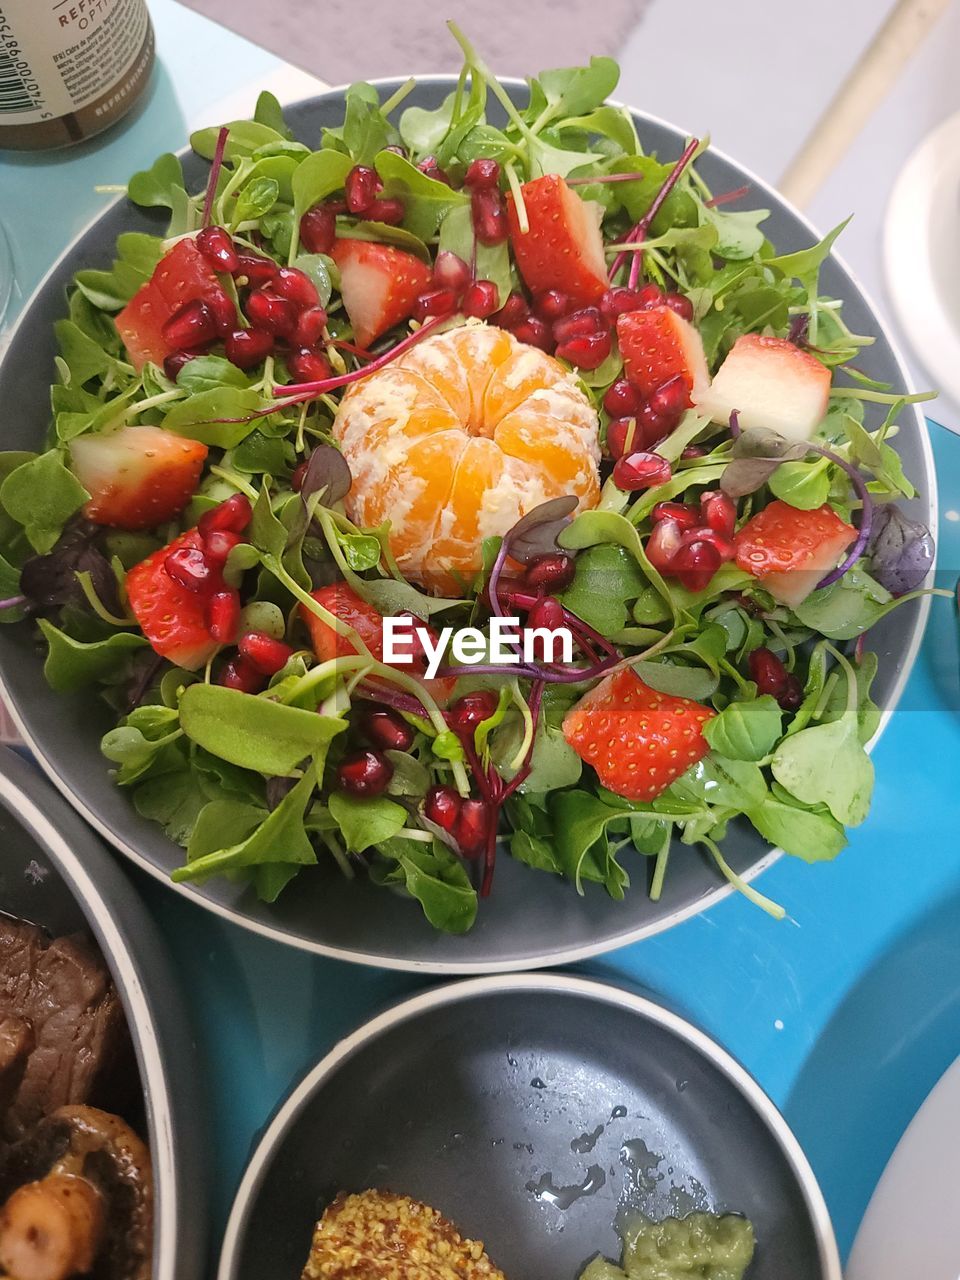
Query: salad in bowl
x,y
448,490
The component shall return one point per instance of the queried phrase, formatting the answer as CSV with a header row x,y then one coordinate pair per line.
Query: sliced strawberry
x,y
379,285
563,249
172,618
342,601
637,740
790,550
658,345
771,383
137,477
182,275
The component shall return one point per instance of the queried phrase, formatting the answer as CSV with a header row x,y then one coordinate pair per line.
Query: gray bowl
x,y
478,1095
55,873
532,919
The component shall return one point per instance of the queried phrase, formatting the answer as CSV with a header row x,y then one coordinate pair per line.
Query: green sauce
x,y
701,1246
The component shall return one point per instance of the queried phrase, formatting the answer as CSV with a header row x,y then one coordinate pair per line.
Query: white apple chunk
x,y
770,383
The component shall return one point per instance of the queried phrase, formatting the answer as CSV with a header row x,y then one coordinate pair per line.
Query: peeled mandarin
x,y
455,441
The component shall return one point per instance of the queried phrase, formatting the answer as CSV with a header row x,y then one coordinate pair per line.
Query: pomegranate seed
x,y
551,305
618,301
269,311
337,207
364,773
318,229
649,295
622,399
450,272
623,435
297,287
225,313
471,827
223,613
219,545
242,675
489,216
718,511
361,187
218,248
670,399
641,471
256,269
266,654
391,212
663,544
791,696
547,615
189,568
435,302
588,352
513,312
481,299
310,326
173,364
681,513
467,712
441,805
308,365
428,165
693,451
578,324
695,563
233,515
551,572
247,347
481,175
767,671
535,332
703,533
678,303
191,326
652,426
385,728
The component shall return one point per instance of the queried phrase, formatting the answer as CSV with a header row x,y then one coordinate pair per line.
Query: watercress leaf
x,y
317,177
827,764
174,799
244,138
154,187
678,681
612,122
254,732
257,198
745,730
422,131
575,90
844,610
71,664
426,200
208,373
434,876
805,485
42,495
202,415
580,822
364,822
269,112
809,834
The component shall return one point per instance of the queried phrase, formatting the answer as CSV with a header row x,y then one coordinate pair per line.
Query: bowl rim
x,y
626,937
451,993
72,859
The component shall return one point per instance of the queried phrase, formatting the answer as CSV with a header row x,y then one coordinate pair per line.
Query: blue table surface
x,y
847,1013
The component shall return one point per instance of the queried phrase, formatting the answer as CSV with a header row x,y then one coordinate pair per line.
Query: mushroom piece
x,y
78,1193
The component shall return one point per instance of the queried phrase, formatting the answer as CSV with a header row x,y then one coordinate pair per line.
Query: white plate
x,y
921,254
912,1227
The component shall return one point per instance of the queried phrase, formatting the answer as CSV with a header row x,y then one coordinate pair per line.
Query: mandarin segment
x,y
464,434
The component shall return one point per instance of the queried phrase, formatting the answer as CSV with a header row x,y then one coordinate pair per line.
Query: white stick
x,y
859,96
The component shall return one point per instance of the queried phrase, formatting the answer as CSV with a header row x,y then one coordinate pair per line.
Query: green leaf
x,y
173,799
267,532
155,187
244,138
426,200
269,112
259,454
422,131
868,713
738,233
844,610
805,264
607,579
256,199
222,824
492,261
810,835
71,665
42,495
210,373
593,527
580,823
317,266
384,233
322,173
202,416
721,782
803,484
575,90
745,730
365,822
85,358
254,732
827,764
614,123
432,875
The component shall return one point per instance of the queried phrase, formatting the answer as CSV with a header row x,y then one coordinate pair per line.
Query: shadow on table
x,y
895,1034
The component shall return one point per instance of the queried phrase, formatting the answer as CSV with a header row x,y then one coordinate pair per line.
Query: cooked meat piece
x,y
16,1045
82,1051
378,1236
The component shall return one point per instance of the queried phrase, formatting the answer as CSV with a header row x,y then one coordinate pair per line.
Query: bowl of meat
x,y
99,1133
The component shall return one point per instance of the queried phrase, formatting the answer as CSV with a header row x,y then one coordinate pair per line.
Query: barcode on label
x,y
13,89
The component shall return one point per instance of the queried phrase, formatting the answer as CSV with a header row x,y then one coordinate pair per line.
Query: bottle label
x,y
58,56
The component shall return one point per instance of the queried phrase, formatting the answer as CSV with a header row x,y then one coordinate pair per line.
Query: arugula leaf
x,y
738,233
365,822
71,665
434,876
745,730
580,826
173,799
42,495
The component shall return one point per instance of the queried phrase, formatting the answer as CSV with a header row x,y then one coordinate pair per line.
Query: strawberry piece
x,y
771,383
172,617
137,477
563,248
790,550
637,740
658,345
182,275
379,284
